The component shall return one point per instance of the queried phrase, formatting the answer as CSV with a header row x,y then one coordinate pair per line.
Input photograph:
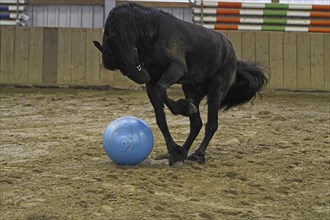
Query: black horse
x,y
154,48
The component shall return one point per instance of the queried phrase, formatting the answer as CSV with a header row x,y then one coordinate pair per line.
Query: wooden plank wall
x,y
66,56
54,56
296,61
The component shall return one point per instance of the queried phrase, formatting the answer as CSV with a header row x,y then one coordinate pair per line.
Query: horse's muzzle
x,y
140,77
143,78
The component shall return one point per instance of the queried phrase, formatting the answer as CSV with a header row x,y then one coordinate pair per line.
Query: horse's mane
x,y
129,24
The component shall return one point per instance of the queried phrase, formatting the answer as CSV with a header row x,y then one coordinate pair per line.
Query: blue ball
x,y
128,140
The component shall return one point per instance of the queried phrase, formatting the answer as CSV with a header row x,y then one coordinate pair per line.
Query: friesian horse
x,y
154,48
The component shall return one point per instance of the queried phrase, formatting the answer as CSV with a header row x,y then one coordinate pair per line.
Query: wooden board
x,y
249,46
262,50
92,57
236,38
22,35
49,68
78,72
317,61
327,62
276,60
36,55
7,68
0,55
290,60
303,60
64,56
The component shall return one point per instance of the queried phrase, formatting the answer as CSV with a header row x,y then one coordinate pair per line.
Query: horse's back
x,y
205,51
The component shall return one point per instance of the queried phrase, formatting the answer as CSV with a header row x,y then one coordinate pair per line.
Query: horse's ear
x,y
98,46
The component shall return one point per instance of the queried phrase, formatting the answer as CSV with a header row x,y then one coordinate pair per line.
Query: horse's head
x,y
133,67
127,28
128,63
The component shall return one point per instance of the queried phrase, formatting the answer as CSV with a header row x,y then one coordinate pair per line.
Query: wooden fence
x,y
54,56
66,56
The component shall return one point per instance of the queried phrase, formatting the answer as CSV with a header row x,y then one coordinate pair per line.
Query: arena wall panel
x,y
276,60
50,49
44,56
326,47
36,55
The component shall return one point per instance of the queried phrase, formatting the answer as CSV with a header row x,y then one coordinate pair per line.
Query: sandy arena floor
x,y
268,161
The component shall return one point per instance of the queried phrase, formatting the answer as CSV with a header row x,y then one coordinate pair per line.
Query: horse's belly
x,y
195,77
200,70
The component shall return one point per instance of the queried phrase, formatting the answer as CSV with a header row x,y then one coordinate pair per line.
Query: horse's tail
x,y
250,79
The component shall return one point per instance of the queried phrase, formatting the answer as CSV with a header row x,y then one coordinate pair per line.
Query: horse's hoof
x,y
192,109
197,158
187,107
177,158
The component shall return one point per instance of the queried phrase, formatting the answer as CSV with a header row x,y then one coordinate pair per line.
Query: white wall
x,y
83,16
65,16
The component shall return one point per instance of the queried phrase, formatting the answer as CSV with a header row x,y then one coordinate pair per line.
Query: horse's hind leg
x,y
195,120
217,90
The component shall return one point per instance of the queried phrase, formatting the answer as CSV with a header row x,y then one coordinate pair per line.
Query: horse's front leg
x,y
175,151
